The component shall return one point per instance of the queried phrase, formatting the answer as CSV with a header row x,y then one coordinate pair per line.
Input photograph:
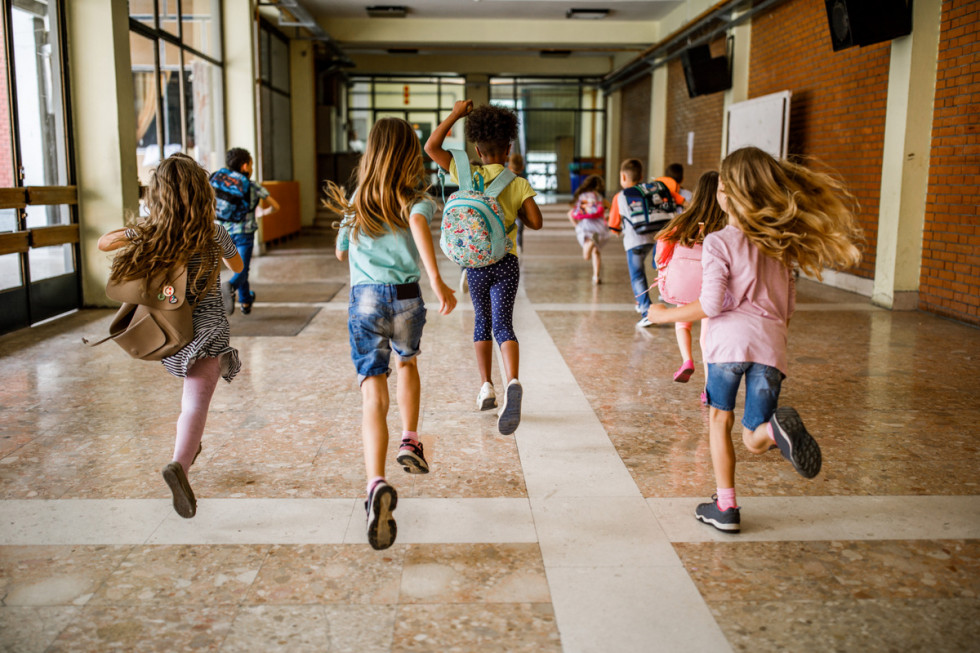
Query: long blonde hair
x,y
702,217
390,180
180,224
796,215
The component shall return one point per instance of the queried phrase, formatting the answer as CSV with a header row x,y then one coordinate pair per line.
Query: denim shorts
x,y
378,322
762,385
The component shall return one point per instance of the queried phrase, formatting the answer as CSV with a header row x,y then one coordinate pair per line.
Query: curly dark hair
x,y
236,157
492,128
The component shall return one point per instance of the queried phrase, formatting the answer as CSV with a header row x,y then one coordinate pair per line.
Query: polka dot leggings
x,y
493,290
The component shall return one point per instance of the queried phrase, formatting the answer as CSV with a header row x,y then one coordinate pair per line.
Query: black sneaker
x,y
727,521
247,307
411,458
796,445
381,528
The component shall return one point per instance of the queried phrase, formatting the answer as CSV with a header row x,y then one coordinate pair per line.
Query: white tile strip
x,y
777,519
615,308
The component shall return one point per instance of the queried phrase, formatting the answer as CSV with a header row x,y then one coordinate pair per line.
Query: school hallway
x,y
575,534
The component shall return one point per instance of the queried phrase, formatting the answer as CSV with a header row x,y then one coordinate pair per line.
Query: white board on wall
x,y
762,122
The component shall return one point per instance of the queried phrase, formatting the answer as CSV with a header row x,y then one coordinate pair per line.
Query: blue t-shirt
x,y
390,258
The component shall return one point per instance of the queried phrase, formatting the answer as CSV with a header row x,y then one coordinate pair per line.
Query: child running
x,y
679,260
181,230
493,288
384,234
589,218
781,216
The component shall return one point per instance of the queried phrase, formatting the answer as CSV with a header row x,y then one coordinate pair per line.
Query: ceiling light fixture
x,y
587,14
386,11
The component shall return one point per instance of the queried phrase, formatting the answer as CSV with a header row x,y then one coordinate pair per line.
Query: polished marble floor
x,y
574,534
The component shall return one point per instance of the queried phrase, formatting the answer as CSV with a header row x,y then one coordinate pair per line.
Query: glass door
x,y
39,233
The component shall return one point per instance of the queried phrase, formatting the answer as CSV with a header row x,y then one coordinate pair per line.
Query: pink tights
x,y
199,386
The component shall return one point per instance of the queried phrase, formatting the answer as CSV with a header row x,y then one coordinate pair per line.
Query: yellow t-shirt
x,y
510,199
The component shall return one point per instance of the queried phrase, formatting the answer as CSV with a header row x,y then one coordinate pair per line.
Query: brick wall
x,y
6,152
838,105
703,115
950,279
634,129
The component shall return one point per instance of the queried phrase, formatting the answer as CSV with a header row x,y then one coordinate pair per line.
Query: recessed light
x,y
587,14
387,11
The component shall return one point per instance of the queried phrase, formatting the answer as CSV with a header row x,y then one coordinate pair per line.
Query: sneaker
x,y
381,528
411,458
228,297
638,309
727,521
510,414
796,445
184,501
684,372
247,308
644,323
487,398
596,280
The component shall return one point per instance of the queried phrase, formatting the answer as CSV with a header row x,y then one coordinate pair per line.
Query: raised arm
x,y
433,146
419,224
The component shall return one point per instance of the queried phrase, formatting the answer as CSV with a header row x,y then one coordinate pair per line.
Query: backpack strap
x,y
497,186
463,173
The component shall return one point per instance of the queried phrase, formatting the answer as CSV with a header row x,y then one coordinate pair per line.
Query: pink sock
x,y
410,435
769,431
726,498
374,481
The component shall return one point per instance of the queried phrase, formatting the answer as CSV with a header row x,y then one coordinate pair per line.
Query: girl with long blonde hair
x,y
782,217
179,231
385,235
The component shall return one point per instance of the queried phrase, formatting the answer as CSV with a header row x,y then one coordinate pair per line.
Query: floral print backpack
x,y
473,232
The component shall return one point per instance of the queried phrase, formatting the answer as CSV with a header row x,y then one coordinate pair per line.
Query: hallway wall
x,y
950,276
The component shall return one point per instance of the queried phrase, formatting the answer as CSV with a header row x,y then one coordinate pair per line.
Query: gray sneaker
x,y
381,527
727,521
795,443
510,414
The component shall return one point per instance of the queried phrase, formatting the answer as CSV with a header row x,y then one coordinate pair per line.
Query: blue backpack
x,y
232,192
473,232
651,206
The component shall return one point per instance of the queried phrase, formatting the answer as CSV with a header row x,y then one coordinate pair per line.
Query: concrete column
x,y
302,91
241,76
739,92
614,121
658,125
104,130
905,159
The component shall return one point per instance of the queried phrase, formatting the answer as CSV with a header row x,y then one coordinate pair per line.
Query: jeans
x,y
239,281
379,323
762,385
635,261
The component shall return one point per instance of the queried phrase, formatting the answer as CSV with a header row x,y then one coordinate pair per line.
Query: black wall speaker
x,y
705,74
864,22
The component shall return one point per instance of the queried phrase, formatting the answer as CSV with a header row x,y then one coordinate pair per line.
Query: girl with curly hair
x,y
181,230
781,217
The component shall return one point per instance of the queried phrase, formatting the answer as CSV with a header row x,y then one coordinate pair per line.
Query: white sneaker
x,y
644,323
487,398
510,414
637,307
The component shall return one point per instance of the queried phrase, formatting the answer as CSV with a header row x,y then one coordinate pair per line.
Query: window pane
x,y
168,15
6,144
357,130
200,23
452,91
264,73
40,104
170,89
8,220
145,103
142,10
205,138
10,272
282,139
47,216
279,61
47,262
